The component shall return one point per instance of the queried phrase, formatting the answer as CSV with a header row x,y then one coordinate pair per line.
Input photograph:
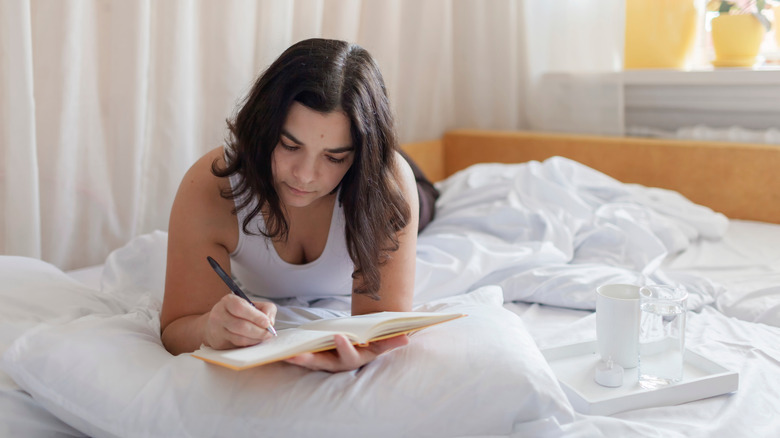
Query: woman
x,y
309,198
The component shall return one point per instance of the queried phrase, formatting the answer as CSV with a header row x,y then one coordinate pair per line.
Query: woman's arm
x,y
198,308
396,291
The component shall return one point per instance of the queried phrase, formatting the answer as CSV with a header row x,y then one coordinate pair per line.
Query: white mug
x,y
617,323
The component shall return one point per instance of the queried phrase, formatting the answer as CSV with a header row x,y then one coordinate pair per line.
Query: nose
x,y
305,169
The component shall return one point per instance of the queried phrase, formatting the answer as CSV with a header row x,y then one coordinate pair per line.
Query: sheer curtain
x,y
106,103
575,52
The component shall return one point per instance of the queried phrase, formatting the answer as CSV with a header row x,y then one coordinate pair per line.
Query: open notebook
x,y
318,336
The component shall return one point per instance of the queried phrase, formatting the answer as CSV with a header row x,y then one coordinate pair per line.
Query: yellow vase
x,y
736,40
659,33
776,9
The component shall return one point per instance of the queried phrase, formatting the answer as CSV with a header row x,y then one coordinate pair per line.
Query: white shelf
x,y
728,77
718,98
660,100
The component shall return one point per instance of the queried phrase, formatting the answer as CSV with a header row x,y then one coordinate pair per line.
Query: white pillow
x,y
33,291
109,375
138,268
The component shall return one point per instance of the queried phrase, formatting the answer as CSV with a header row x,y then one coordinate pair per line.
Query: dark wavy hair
x,y
325,76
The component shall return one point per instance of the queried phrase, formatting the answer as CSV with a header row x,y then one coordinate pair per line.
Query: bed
x,y
528,225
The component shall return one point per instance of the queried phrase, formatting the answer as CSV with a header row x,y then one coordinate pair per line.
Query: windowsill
x,y
764,75
632,101
718,98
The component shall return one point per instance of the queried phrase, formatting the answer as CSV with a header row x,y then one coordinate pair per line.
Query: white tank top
x,y
256,265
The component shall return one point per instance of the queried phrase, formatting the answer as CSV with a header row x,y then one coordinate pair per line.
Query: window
x,y
660,101
769,52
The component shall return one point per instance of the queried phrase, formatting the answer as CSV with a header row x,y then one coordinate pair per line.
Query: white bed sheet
x,y
746,262
734,270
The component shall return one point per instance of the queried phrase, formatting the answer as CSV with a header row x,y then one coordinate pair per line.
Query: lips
x,y
296,191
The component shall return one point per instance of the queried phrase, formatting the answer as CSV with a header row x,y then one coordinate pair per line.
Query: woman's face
x,y
313,154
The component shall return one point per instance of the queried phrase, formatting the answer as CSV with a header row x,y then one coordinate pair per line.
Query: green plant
x,y
738,7
754,7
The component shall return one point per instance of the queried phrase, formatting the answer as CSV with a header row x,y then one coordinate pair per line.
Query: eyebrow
x,y
300,143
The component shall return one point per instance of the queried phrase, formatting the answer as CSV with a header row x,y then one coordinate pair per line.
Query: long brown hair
x,y
325,76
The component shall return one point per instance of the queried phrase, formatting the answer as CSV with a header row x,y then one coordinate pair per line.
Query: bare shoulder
x,y
199,209
199,183
404,175
407,183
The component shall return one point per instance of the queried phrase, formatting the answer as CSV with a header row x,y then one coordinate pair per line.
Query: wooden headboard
x,y
739,180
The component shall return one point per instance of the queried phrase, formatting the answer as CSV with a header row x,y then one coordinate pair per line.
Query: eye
x,y
288,147
335,160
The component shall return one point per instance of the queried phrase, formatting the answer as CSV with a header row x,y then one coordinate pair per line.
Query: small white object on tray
x,y
575,366
609,374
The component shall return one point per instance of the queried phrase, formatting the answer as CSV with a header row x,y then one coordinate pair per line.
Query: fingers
x,y
306,360
255,313
268,308
233,322
340,359
385,345
347,357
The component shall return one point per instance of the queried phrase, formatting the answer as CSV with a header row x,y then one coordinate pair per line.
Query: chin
x,y
297,201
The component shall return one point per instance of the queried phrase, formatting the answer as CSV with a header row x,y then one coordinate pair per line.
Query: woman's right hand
x,y
233,322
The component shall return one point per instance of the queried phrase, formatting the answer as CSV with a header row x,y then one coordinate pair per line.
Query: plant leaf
x,y
763,20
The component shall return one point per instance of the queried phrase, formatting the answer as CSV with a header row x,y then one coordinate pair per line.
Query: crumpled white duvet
x,y
545,232
551,232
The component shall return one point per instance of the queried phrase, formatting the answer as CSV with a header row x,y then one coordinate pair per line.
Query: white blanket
x,y
552,232
546,233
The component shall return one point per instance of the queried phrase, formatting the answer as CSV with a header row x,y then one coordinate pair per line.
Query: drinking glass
x,y
661,335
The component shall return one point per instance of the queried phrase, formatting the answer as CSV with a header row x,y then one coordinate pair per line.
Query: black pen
x,y
234,287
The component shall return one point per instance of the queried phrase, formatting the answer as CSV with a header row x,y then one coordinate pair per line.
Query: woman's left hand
x,y
347,357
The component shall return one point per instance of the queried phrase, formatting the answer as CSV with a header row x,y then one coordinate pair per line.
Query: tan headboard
x,y
739,180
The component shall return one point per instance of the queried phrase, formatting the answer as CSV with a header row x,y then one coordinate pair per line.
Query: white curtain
x,y
106,103
575,48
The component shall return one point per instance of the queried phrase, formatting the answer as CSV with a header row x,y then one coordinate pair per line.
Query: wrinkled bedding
x,y
520,248
552,232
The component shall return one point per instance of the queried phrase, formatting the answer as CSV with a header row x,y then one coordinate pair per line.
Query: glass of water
x,y
661,335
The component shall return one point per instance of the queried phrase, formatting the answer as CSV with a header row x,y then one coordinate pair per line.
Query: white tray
x,y
575,365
